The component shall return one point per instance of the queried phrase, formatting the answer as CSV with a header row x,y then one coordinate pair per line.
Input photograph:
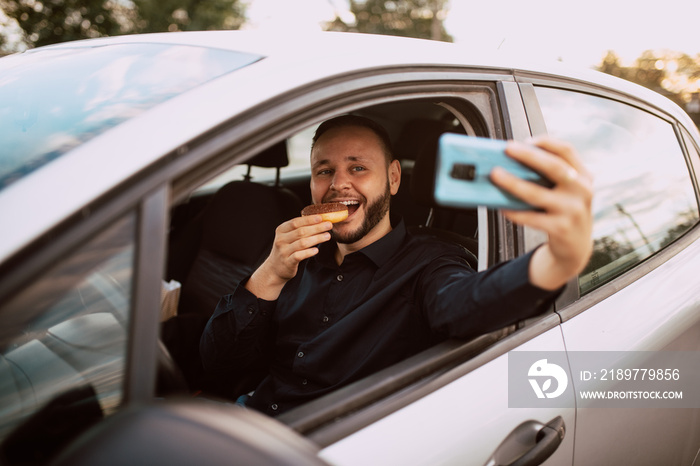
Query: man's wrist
x,y
265,285
548,273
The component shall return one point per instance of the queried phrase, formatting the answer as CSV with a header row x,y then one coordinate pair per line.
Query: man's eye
x,y
358,169
323,172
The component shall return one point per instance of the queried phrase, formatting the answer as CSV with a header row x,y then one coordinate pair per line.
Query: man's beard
x,y
375,213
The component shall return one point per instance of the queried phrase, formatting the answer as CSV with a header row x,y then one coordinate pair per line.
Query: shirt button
x,y
300,354
274,406
251,309
325,319
304,382
339,277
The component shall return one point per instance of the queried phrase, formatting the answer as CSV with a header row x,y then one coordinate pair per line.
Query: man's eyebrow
x,y
320,163
351,158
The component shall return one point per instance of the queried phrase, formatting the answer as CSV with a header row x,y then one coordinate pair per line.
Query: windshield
x,y
53,100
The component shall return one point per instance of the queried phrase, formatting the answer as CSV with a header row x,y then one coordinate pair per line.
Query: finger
x,y
310,230
561,149
300,222
306,242
303,254
557,161
529,218
536,195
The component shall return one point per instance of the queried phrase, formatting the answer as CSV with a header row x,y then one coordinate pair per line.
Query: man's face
x,y
348,165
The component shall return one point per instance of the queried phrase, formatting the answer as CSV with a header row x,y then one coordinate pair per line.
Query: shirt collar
x,y
378,252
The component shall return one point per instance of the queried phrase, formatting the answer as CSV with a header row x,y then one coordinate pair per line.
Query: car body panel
x,y
647,315
440,428
452,414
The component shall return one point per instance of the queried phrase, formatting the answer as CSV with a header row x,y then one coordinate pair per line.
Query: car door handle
x,y
529,444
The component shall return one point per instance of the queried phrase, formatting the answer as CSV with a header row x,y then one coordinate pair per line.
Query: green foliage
x,y
184,15
674,75
408,18
50,21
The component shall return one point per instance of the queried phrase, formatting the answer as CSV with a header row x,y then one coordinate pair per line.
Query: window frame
x,y
571,303
356,406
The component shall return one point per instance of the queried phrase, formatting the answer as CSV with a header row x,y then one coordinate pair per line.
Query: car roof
x,y
289,63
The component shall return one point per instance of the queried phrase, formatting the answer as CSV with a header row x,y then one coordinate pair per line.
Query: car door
x,y
635,309
469,414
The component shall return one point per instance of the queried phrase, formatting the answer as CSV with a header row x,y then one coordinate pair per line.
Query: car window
x,y
644,197
92,90
298,151
66,332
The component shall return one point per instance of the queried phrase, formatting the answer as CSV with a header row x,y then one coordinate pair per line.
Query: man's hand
x,y
295,240
567,217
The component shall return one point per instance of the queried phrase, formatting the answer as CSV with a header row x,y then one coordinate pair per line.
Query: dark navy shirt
x,y
335,324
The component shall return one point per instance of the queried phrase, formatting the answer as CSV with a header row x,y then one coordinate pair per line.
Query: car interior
x,y
224,229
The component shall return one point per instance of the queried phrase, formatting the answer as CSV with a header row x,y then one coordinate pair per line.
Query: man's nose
x,y
341,180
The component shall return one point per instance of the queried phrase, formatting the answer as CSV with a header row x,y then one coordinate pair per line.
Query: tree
x,y
408,18
51,21
671,74
605,251
184,15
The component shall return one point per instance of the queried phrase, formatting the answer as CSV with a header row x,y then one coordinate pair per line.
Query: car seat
x,y
236,230
455,225
221,246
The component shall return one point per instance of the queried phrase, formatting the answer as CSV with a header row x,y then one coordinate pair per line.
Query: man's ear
x,y
394,176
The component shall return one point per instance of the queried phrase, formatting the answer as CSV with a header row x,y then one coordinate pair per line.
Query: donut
x,y
333,212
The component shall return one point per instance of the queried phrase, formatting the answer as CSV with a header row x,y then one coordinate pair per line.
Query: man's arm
x,y
458,302
566,216
238,334
295,240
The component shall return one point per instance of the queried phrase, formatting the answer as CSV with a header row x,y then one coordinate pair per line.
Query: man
x,y
335,303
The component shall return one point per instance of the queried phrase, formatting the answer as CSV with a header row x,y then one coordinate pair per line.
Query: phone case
x,y
462,173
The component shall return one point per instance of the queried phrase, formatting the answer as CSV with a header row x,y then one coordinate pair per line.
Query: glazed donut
x,y
333,212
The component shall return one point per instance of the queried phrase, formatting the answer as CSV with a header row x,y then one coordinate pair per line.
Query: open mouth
x,y
352,206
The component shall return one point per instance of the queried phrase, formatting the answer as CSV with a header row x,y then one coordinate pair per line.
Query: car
x,y
141,176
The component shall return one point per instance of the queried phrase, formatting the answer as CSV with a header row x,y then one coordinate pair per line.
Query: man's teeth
x,y
349,203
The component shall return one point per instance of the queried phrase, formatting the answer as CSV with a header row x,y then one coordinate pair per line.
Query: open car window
x,y
226,257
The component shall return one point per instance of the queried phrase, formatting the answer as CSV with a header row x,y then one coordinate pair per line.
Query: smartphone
x,y
463,166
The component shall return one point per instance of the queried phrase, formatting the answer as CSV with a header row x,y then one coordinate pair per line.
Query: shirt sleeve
x,y
461,303
238,336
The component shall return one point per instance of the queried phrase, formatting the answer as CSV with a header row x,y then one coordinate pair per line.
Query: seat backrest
x,y
237,229
454,225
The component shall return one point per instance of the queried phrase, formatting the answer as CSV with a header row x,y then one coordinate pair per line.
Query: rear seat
x,y
226,242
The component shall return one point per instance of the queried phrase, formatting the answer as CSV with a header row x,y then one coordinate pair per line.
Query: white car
x,y
130,173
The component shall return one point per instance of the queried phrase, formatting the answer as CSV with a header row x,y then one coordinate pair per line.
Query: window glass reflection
x,y
644,197
66,333
91,90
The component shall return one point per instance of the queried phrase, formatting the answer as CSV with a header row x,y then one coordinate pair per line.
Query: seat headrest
x,y
272,157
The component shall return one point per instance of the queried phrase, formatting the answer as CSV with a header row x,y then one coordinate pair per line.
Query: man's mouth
x,y
352,205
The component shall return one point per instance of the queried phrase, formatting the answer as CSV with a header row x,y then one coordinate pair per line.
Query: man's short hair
x,y
344,121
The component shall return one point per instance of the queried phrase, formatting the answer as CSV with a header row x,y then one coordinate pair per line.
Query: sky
x,y
578,33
